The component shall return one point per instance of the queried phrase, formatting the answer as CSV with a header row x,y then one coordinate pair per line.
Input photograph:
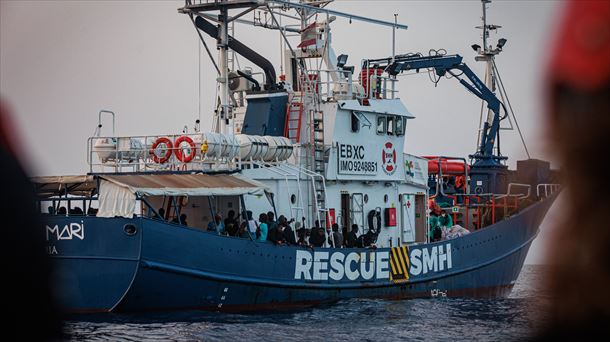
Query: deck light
x,y
341,60
501,43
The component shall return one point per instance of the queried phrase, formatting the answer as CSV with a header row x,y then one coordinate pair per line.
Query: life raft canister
x,y
191,151
165,146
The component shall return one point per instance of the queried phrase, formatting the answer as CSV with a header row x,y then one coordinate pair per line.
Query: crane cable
x,y
511,108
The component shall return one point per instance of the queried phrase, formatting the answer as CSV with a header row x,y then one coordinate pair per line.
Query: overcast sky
x,y
63,61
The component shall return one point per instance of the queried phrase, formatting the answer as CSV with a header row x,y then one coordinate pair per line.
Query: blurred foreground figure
x,y
28,303
579,118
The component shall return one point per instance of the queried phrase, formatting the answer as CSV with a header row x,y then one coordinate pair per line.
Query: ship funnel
x,y
243,50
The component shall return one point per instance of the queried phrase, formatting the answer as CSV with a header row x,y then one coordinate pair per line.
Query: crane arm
x,y
449,64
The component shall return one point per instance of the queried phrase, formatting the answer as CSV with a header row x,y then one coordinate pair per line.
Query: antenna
x,y
488,50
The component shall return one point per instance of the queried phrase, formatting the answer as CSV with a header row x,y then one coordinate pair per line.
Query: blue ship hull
x,y
163,266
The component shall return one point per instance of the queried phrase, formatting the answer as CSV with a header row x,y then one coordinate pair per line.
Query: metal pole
x,y
308,8
394,37
394,51
213,213
483,2
245,215
223,45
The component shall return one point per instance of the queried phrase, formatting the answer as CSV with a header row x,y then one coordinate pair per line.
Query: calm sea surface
x,y
513,318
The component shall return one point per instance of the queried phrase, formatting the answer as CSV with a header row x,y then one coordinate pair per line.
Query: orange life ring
x,y
179,151
166,150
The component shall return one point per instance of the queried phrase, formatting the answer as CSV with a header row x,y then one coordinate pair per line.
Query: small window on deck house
x,y
381,125
390,129
355,122
400,126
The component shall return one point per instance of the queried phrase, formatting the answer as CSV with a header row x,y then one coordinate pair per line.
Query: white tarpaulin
x,y
115,200
188,184
117,193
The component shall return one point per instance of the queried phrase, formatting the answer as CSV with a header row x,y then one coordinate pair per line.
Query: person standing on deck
x,y
445,221
216,225
352,237
252,225
337,236
272,225
263,228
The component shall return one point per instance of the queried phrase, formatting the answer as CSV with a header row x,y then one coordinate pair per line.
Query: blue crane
x,y
453,64
488,173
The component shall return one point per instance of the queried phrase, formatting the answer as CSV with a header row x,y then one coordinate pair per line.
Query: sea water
x,y
512,318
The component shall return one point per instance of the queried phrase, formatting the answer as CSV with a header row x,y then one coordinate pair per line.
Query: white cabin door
x,y
407,218
357,211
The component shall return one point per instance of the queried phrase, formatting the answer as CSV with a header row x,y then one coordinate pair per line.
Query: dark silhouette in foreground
x,y
31,310
579,119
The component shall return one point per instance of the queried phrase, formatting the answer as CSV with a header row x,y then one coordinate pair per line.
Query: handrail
x,y
133,153
509,194
549,189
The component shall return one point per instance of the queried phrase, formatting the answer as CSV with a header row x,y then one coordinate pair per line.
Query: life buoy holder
x,y
165,146
374,221
180,151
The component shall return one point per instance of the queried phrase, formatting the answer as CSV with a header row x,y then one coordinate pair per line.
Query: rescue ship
x,y
322,144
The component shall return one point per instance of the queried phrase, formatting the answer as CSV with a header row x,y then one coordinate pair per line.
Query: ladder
x,y
317,141
315,158
318,163
294,112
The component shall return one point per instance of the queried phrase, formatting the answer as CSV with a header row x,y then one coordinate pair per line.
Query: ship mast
x,y
487,54
224,116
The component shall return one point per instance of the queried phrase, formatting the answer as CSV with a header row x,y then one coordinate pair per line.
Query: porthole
x,y
293,199
366,198
130,229
400,198
385,198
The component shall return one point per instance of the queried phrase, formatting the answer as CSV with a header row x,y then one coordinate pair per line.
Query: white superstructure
x,y
340,159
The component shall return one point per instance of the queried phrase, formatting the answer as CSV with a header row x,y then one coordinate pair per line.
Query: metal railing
x,y
178,152
157,153
486,204
548,189
322,83
381,89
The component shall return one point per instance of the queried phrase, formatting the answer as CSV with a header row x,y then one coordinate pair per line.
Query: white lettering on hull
x,y
68,232
321,265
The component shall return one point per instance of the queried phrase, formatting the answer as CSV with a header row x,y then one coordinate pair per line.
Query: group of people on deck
x,y
281,231
284,231
442,226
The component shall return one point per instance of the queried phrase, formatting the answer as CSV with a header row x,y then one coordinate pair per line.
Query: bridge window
x,y
382,125
355,122
391,125
400,126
